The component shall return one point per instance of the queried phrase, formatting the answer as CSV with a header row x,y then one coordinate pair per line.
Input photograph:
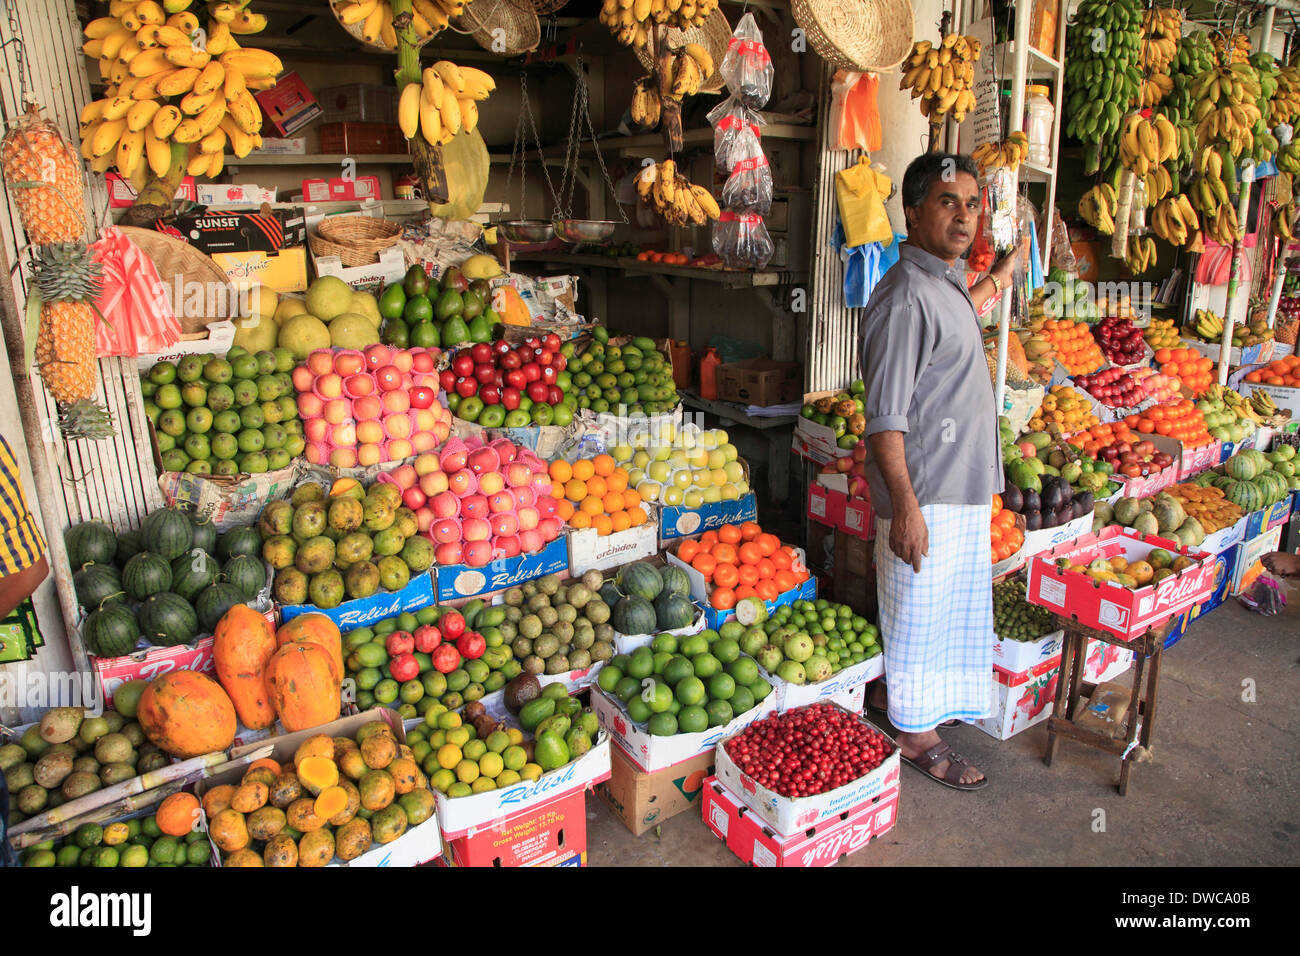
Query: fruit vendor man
x,y
933,466
22,568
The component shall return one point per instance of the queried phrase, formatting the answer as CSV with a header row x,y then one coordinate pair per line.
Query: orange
x,y
708,540
786,580
176,814
1006,519
705,564
604,464
729,533
749,531
750,553
688,549
766,568
995,535
748,575
617,480
782,559
579,519
612,501
560,470
767,543
767,590
557,490
724,553
723,599
745,591
997,504
620,520
583,469
565,509
575,490
637,515
726,575
592,505
596,486
631,498
602,523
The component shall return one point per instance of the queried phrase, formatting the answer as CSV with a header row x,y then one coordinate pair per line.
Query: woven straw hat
x,y
863,36
714,36
516,19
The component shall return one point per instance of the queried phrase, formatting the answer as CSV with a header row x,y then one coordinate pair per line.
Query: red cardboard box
x,y
289,105
553,834
121,193
338,189
1108,605
826,506
825,844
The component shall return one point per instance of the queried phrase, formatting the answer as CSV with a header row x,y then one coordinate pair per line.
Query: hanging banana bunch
x,y
941,77
1009,153
1284,106
428,17
444,102
1161,31
1174,220
689,69
1283,222
1141,254
681,202
1097,207
631,21
1102,79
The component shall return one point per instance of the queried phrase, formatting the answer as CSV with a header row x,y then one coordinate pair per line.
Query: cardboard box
x,y
1016,657
122,194
788,816
234,194
1225,538
644,800
416,846
465,816
461,581
1105,662
1042,26
1149,485
419,593
217,340
822,845
360,139
678,521
552,834
1224,564
1044,539
1274,516
271,146
289,105
1249,566
627,643
829,503
588,551
826,506
266,246
1021,699
147,664
285,271
651,753
340,189
759,381
1108,605
838,688
373,278
1287,398
817,442
1196,460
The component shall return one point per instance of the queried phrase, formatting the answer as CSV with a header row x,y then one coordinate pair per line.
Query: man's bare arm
x,y
908,536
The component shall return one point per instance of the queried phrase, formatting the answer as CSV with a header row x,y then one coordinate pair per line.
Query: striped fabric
x,y
937,626
21,541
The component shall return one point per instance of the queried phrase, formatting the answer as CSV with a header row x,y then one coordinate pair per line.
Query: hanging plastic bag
x,y
1264,597
749,187
854,114
1062,252
465,160
747,66
728,119
741,240
135,303
860,192
982,257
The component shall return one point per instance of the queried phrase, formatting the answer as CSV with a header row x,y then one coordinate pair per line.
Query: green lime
x,y
720,713
693,720
663,725
725,650
705,665
627,688
609,678
134,856
677,669
741,699
743,670
691,691
163,850
639,710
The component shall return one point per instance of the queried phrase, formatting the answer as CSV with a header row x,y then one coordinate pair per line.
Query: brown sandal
x,y
956,766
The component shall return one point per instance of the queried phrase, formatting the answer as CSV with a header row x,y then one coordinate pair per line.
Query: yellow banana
x,y
477,84
194,103
468,113
165,121
106,136
451,76
233,83
408,110
430,119
214,142
449,110
211,79
141,114
129,150
253,63
243,107
157,152
223,12
357,12
219,39
178,82
241,144
247,23
432,84
150,12
151,61
101,27
373,25
184,21
187,56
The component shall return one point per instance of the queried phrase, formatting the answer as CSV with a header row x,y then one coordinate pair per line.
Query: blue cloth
x,y
863,265
937,626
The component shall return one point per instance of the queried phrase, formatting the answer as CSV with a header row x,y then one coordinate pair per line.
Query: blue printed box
x,y
678,521
418,594
1274,516
1223,565
713,618
457,581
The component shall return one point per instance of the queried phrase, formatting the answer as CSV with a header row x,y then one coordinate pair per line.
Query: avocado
x,y
520,691
472,305
454,332
534,712
454,280
449,303
480,330
416,281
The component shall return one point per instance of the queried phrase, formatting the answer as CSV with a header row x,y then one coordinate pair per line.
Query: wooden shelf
x,y
730,279
1040,65
733,412
320,159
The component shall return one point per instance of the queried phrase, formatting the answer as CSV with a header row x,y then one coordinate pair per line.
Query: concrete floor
x,y
1220,790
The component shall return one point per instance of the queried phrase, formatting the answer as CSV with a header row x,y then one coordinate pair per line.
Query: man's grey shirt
x,y
923,364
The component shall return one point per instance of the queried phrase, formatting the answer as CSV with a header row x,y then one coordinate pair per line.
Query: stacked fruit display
x,y
1254,480
854,465
1038,456
807,642
361,408
843,413
347,541
1194,370
594,493
1125,452
1284,371
634,373
1014,618
435,656
555,626
133,843
331,314
692,467
374,19
808,750
455,311
1005,539
1180,420
1069,409
68,755
515,386
1204,504
743,567
1162,334
1161,514
646,599
1121,341
1228,416
1076,349
685,685
168,582
444,102
1208,327
1154,568
495,503
338,798
633,24
224,416
1040,354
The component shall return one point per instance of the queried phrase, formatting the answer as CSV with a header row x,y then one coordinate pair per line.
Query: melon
x,y
302,335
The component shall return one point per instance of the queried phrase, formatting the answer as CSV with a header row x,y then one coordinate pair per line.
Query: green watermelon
x,y
609,593
1241,466
97,583
111,631
633,614
167,619
245,540
246,573
673,611
90,541
643,580
192,572
145,574
675,579
213,603
167,532
128,546
205,534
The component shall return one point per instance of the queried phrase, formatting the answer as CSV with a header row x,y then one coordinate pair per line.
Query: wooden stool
x,y
1147,648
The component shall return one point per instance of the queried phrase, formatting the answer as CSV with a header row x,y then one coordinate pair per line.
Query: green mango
x,y
550,751
555,724
536,711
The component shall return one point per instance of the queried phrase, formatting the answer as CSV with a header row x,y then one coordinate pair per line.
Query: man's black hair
x,y
922,172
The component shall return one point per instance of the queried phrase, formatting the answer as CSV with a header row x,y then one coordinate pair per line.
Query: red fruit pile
x,y
1114,387
1120,340
449,644
808,751
501,373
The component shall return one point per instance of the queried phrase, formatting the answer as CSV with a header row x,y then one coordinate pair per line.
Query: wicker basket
x,y
714,36
545,8
355,31
516,19
357,240
867,36
180,265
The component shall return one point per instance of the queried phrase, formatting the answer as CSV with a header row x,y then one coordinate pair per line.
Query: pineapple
x,y
67,281
44,176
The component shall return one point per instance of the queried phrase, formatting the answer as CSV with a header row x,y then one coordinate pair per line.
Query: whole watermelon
x,y
673,611
167,619
128,546
90,541
246,573
192,572
641,579
205,534
97,583
213,603
111,631
145,574
633,614
245,540
675,580
168,532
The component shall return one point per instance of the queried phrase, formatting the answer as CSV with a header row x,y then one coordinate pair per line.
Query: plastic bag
x,y
466,162
1062,252
728,119
1264,597
135,303
747,66
860,193
854,114
741,240
749,187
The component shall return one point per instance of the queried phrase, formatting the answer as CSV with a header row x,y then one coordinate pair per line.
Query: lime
x,y
725,650
627,688
163,850
720,713
467,771
677,669
722,686
659,698
692,720
664,644
694,645
743,670
459,789
741,699
491,764
663,725
705,665
44,858
639,710
514,757
88,835
474,749
134,856
441,779
691,691
641,664
609,678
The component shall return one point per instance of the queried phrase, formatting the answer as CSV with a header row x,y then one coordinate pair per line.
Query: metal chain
x,y
582,105
24,69
541,157
517,149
